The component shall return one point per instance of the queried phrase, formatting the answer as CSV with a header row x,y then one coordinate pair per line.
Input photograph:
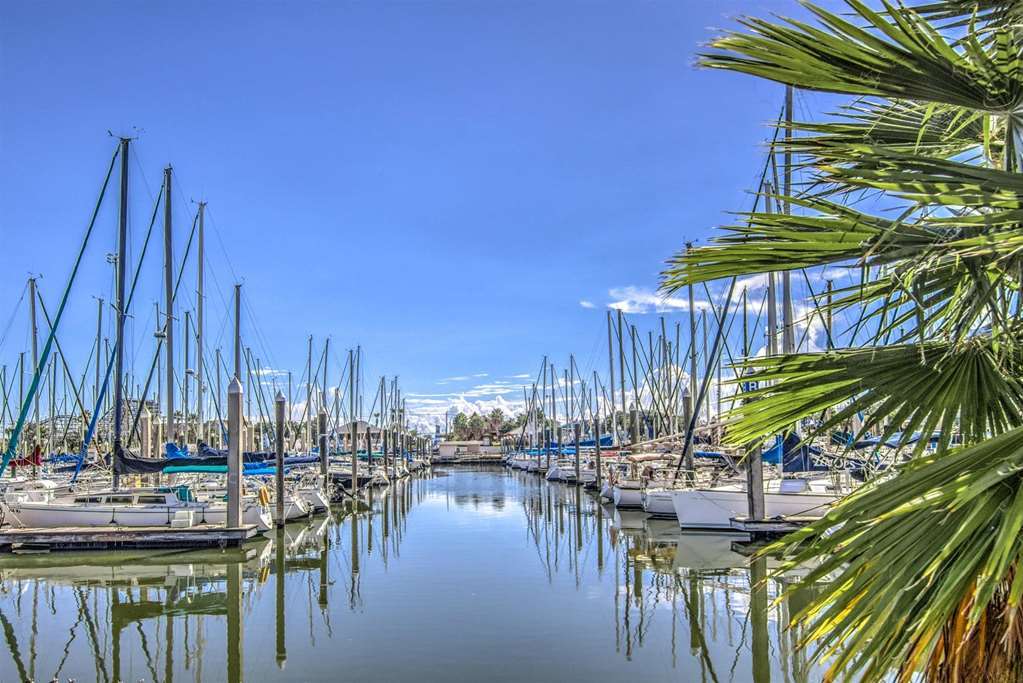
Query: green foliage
x,y
903,552
924,565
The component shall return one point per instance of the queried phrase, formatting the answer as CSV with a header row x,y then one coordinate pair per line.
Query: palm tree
x,y
925,562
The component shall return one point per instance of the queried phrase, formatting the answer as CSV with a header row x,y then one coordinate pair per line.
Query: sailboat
x,y
130,508
714,507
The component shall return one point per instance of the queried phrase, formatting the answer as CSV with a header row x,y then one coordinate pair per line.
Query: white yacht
x,y
134,508
714,507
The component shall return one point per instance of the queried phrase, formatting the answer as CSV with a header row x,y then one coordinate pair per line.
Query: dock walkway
x,y
115,537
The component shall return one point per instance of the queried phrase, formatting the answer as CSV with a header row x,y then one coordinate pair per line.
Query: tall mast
x,y
309,395
219,398
184,376
635,387
621,366
543,402
35,359
688,455
122,241
788,341
238,332
772,298
99,351
554,412
611,367
571,387
326,362
168,283
354,426
199,306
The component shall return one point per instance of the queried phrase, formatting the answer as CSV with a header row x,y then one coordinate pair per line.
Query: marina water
x,y
463,574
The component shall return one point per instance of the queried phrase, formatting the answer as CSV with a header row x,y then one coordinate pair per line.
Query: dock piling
x,y
234,453
279,444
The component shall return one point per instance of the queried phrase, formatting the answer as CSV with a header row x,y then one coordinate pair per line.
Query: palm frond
x,y
906,558
932,181
901,57
904,388
931,130
831,233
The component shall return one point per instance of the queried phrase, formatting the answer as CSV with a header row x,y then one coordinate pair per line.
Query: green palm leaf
x,y
906,556
904,388
907,127
902,58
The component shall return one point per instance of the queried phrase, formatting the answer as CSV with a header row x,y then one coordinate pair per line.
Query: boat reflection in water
x,y
465,574
711,597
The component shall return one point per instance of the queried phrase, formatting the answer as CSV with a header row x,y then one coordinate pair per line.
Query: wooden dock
x,y
468,460
118,537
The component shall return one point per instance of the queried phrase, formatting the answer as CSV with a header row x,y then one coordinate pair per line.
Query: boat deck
x,y
114,537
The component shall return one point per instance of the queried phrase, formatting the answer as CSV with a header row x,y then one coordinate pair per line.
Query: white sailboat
x,y
714,507
131,508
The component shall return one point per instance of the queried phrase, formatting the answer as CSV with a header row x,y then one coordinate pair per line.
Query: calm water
x,y
462,575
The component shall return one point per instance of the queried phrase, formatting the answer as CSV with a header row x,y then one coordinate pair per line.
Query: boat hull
x,y
715,508
659,503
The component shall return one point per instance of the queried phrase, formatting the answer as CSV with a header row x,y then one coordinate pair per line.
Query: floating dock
x,y
118,537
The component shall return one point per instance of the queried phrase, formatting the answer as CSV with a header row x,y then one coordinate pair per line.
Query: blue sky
x,y
459,187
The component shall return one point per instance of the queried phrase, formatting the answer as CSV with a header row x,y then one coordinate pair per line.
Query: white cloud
x,y
751,283
456,378
632,299
428,410
587,304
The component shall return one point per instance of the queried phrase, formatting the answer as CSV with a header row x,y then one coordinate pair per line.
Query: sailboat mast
x,y
309,394
326,362
35,363
238,332
621,367
688,455
772,297
199,306
99,349
184,376
168,282
122,241
611,368
788,341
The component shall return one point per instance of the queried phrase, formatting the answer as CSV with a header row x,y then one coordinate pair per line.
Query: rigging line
x,y
161,338
260,336
220,242
60,353
14,313
12,443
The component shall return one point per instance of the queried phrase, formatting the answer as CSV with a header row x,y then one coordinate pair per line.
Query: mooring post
x,y
755,484
234,453
322,425
235,662
596,437
279,406
279,575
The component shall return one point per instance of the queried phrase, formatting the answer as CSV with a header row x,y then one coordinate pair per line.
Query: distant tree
x,y
460,427
477,427
495,420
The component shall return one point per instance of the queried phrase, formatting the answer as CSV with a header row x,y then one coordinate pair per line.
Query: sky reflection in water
x,y
460,575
